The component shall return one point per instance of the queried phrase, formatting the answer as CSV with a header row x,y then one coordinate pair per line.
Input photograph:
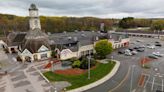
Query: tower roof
x,y
33,7
35,34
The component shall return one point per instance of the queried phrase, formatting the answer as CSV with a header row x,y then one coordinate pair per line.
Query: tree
x,y
103,48
158,25
53,54
127,23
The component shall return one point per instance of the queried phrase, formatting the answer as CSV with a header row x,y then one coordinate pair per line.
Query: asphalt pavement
x,y
125,81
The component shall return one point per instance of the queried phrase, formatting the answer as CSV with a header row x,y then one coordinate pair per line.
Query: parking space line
x,y
147,80
152,83
162,85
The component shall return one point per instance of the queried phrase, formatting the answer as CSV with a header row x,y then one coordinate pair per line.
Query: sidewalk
x,y
107,77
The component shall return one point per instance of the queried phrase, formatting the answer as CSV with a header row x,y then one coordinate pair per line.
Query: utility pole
x,y
89,57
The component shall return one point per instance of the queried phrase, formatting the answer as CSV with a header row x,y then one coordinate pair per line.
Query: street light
x,y
89,60
131,81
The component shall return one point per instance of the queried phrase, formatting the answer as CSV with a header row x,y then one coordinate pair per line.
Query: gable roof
x,y
33,45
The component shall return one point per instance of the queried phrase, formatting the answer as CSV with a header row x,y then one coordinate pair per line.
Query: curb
x,y
102,80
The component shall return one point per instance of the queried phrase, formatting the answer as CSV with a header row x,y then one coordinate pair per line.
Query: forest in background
x,y
9,23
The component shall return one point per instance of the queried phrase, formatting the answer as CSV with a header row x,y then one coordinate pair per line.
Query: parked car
x,y
136,47
128,53
158,54
134,52
153,56
158,44
141,50
151,47
131,49
121,52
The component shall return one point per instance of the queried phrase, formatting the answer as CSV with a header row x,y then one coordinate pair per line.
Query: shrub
x,y
84,63
76,64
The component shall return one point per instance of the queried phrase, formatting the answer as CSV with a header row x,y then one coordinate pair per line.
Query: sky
x,y
83,8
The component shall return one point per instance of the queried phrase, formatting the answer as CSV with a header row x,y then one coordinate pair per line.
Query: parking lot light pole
x,y
89,60
131,81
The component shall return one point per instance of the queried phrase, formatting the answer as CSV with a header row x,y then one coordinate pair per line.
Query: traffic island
x,y
98,75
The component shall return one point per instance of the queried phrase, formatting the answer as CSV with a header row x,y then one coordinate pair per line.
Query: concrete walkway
x,y
107,77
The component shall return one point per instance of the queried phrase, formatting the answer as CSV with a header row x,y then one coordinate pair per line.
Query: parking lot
x,y
144,80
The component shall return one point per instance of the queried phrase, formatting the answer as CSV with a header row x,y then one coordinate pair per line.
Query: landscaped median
x,y
100,74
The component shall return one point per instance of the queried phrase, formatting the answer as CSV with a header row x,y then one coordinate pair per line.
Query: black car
x,y
131,49
136,48
158,44
121,52
141,50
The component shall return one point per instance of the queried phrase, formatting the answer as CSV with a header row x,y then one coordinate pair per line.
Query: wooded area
x,y
54,24
10,23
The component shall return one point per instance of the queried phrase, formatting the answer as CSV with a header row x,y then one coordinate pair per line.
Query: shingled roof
x,y
33,45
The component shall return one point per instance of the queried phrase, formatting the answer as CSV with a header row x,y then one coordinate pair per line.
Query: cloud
x,y
96,8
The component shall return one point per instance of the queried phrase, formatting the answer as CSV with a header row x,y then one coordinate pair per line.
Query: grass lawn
x,y
80,80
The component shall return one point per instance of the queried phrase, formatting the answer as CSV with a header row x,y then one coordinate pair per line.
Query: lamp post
x,y
89,60
131,81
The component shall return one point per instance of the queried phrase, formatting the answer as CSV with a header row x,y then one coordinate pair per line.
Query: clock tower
x,y
34,17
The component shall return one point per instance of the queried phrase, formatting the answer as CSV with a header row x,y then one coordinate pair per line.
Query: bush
x,y
53,54
84,63
76,64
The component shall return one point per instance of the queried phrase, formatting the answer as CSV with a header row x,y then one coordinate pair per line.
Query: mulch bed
x,y
73,71
145,60
141,81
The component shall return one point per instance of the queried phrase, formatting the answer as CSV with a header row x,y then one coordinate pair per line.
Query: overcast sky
x,y
80,8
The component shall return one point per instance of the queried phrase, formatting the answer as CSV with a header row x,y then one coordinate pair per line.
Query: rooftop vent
x,y
75,38
83,35
69,38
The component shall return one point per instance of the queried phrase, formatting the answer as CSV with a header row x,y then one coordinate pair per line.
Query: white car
x,y
128,53
157,54
151,47
134,52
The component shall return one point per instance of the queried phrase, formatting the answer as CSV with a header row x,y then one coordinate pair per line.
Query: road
x,y
120,82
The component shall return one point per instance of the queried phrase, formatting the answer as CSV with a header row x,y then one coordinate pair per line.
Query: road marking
x,y
162,85
147,81
152,83
112,90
